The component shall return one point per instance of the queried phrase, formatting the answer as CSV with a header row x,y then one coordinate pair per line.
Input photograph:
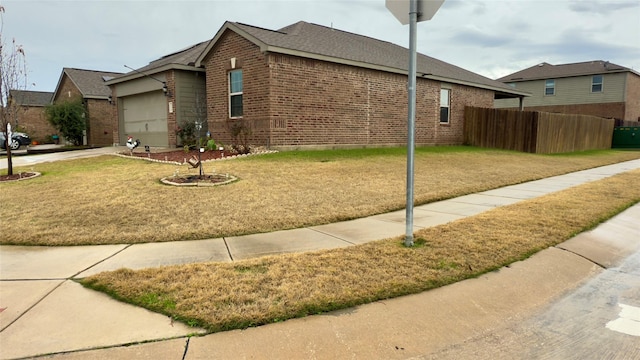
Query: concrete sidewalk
x,y
45,311
21,159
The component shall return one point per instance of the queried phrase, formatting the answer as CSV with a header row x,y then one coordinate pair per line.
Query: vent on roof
x,y
541,65
106,77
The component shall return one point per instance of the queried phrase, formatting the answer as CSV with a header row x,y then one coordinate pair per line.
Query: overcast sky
x,y
491,37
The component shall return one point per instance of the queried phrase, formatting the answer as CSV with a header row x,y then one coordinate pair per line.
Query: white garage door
x,y
145,118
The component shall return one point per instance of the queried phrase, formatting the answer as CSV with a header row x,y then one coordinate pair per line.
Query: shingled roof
x,y
328,44
548,71
183,59
91,83
186,56
31,98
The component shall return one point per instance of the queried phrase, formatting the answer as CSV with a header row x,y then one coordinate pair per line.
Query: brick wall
x,y
67,91
320,103
632,107
101,124
172,123
255,88
33,121
115,118
297,102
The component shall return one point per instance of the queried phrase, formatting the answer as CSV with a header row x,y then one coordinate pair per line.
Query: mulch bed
x,y
18,176
180,156
212,179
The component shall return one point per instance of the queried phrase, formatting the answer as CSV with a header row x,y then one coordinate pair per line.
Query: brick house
x,y
307,86
302,86
31,117
89,87
153,102
597,88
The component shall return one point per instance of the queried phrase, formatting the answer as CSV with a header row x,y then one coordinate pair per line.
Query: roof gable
x,y
548,71
323,43
90,83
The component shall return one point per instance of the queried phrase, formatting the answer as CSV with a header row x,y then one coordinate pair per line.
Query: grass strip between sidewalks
x,y
223,296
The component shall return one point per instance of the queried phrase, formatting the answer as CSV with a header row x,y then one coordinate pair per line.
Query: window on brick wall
x,y
445,102
235,93
549,87
596,83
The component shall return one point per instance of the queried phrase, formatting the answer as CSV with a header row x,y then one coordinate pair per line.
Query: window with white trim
x,y
235,93
549,87
596,83
445,104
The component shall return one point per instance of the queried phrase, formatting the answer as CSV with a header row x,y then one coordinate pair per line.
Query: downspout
x,y
521,106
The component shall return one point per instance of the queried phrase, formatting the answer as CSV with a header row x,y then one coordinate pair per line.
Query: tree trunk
x,y
9,161
7,143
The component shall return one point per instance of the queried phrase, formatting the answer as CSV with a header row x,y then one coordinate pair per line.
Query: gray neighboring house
x,y
155,100
598,88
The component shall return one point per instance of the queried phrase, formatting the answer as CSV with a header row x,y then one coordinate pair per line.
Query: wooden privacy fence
x,y
535,131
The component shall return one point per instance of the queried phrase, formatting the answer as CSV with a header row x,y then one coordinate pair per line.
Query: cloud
x,y
600,8
581,47
477,38
573,46
484,36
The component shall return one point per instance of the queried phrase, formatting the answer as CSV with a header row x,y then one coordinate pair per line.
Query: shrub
x,y
211,145
68,118
187,133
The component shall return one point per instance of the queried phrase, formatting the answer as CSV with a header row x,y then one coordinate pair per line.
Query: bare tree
x,y
13,76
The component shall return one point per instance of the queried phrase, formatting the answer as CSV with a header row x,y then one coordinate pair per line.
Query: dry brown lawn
x,y
110,200
220,296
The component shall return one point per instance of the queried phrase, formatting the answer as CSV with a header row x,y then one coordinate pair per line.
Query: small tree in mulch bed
x,y
240,130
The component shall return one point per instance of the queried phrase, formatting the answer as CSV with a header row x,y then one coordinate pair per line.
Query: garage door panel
x,y
145,118
153,125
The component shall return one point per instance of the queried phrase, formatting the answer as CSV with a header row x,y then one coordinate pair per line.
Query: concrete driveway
x,y
22,159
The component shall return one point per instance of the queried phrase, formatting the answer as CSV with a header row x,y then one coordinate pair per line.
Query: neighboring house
x,y
154,101
89,87
31,118
305,86
597,88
